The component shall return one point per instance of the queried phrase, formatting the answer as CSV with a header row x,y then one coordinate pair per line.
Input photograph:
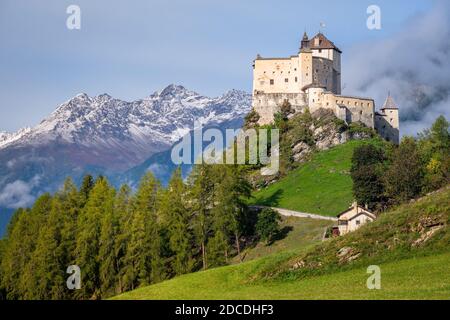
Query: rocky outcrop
x,y
327,131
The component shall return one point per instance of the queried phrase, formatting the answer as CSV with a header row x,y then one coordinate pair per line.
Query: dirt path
x,y
289,213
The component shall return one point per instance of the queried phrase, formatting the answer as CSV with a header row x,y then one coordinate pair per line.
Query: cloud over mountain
x,y
414,65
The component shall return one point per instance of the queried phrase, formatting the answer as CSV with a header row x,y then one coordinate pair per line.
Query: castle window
x,y
286,80
272,82
320,50
295,69
296,79
360,113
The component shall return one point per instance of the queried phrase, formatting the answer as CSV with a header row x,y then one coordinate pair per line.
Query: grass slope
x,y
421,278
322,185
296,233
414,264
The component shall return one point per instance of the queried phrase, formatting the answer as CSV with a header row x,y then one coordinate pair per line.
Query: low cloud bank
x,y
414,65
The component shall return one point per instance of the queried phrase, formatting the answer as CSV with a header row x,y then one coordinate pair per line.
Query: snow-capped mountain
x,y
134,130
104,135
6,137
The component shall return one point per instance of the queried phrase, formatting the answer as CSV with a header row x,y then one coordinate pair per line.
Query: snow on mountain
x,y
6,137
160,119
104,135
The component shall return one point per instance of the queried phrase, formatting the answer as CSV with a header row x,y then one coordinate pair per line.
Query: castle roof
x,y
389,103
322,42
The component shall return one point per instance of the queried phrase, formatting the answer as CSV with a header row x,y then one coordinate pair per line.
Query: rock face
x,y
326,132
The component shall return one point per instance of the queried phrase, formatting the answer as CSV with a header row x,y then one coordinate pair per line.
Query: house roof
x,y
323,43
362,211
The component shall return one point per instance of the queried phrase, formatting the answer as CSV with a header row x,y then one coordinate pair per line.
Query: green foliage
x,y
434,146
367,175
403,179
251,119
361,128
267,226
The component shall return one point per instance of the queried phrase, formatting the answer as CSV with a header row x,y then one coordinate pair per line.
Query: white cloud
x,y
18,193
414,65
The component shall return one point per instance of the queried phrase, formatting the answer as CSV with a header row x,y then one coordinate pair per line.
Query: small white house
x,y
353,218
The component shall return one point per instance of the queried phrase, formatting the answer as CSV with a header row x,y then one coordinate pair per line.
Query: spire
x,y
389,103
305,41
305,36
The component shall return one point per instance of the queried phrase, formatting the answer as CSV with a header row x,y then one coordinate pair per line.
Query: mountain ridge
x,y
104,135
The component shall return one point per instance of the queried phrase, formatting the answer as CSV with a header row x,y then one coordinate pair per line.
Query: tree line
x,y
385,175
122,239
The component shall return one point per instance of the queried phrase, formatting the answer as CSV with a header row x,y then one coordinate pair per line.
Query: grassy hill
x,y
411,244
322,185
296,233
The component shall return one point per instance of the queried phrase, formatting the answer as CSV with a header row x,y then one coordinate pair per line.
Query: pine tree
x,y
201,197
37,219
48,269
86,187
143,257
122,209
176,215
99,204
230,208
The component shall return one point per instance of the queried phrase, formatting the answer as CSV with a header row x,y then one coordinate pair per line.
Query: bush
x,y
267,225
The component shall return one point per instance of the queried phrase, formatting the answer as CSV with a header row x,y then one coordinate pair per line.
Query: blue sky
x,y
130,49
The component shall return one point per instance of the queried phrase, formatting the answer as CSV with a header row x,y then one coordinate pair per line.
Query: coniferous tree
x,y
143,257
201,186
49,270
86,186
176,217
99,204
122,208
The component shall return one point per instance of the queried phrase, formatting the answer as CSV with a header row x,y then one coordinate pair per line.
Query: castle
x,y
312,78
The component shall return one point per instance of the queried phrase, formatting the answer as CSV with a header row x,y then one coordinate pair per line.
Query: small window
x,y
286,80
358,222
296,79
320,50
272,82
295,69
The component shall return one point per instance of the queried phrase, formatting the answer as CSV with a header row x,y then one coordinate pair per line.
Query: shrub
x,y
267,225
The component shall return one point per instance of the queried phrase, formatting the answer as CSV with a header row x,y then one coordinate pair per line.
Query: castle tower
x,y
387,121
